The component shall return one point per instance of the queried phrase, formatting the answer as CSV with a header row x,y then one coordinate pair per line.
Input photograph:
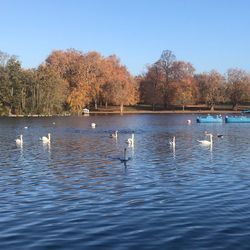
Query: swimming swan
x,y
130,140
114,135
93,125
46,139
206,142
172,143
19,141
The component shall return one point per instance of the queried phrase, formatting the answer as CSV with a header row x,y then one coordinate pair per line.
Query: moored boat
x,y
85,111
237,119
245,111
209,119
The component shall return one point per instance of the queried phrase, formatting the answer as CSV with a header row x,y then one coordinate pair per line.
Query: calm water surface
x,y
76,194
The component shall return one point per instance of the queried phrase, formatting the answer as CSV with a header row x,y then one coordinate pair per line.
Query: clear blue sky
x,y
211,34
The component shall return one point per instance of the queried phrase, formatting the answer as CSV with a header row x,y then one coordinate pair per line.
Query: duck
x,y
189,121
130,140
46,139
207,142
93,125
220,136
114,135
19,141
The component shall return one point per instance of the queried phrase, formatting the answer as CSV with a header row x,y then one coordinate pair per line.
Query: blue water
x,y
76,194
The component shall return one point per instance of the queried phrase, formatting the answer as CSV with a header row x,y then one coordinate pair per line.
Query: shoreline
x,y
168,112
215,112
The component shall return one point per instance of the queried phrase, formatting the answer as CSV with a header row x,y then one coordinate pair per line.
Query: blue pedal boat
x,y
237,119
209,119
245,111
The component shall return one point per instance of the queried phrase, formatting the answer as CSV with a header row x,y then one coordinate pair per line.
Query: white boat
x,y
85,111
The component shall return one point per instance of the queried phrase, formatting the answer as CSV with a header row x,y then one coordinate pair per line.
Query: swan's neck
x,y
125,153
49,137
211,139
21,138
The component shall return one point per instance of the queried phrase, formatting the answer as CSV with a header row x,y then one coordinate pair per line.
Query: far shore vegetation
x,y
69,81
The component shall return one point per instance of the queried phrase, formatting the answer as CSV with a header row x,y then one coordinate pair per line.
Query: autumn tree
x,y
184,90
165,65
71,67
238,86
119,88
150,86
212,88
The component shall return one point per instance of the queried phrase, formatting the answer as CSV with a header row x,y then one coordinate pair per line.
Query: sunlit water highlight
x,y
75,193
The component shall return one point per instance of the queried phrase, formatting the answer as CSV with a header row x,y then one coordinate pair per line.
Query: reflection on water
x,y
75,192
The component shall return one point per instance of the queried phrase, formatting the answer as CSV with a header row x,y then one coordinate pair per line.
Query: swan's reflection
x,y
211,151
47,147
20,148
172,146
173,152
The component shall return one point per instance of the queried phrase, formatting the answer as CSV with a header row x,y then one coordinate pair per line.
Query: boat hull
x,y
209,119
237,119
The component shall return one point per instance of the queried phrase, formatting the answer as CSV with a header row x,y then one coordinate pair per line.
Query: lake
x,y
75,193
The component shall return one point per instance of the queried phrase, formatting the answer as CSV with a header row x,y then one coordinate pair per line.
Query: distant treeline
x,y
71,80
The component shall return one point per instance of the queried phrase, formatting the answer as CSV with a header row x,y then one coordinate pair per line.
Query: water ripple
x,y
75,193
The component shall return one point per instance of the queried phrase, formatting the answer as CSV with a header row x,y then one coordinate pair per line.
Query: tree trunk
x,y
183,107
96,105
106,104
153,106
121,108
235,107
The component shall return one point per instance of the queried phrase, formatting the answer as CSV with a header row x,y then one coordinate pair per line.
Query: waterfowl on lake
x,y
172,142
114,135
93,125
46,139
125,159
188,121
207,142
130,140
220,136
19,141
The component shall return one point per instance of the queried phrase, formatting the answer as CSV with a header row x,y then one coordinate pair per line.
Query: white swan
x,y
172,143
206,142
130,140
93,125
46,139
189,121
19,141
114,135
